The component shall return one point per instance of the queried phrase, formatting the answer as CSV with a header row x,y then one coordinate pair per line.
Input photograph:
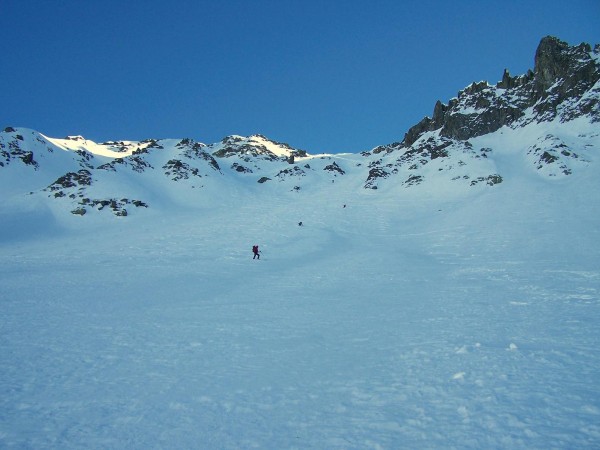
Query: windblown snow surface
x,y
411,318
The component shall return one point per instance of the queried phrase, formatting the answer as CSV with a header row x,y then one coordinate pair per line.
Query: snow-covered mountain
x,y
442,291
545,121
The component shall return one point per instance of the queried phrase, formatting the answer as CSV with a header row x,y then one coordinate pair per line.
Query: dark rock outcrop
x,y
562,73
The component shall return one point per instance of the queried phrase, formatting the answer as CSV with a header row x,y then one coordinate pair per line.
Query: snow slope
x,y
411,318
442,291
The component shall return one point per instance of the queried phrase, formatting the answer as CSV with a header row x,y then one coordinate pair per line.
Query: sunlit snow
x,y
441,315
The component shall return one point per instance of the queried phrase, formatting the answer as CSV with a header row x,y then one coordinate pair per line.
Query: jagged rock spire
x,y
561,72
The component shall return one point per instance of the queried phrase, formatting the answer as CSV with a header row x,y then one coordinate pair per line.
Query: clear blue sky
x,y
324,76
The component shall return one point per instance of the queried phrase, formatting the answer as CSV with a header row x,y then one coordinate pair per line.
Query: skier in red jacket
x,y
255,251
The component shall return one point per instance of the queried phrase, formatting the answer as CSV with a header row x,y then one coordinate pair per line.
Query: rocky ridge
x,y
458,146
563,86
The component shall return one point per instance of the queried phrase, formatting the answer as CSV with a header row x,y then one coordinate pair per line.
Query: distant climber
x,y
299,224
256,252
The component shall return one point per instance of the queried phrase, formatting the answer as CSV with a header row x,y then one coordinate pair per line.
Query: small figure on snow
x,y
256,252
299,224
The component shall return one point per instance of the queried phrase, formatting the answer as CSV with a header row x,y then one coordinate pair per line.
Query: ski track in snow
x,y
425,325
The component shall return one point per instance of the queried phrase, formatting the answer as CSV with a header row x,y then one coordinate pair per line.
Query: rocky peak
x,y
254,146
561,73
565,73
550,62
556,60
509,82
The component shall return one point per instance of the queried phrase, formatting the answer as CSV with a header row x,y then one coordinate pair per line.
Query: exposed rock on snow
x,y
334,168
562,75
544,121
451,300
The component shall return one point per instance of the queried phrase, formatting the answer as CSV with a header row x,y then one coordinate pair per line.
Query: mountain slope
x,y
455,306
546,121
421,320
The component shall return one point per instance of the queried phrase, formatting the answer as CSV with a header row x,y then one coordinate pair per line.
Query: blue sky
x,y
324,76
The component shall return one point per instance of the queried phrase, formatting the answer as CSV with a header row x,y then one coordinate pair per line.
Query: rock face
x,y
563,86
256,146
456,149
562,74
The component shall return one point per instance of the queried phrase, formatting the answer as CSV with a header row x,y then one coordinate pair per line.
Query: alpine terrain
x,y
442,291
